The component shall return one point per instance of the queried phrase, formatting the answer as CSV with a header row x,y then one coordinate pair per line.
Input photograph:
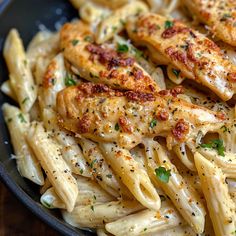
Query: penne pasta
x,y
146,222
183,196
132,175
116,21
227,162
7,89
99,214
100,169
71,152
221,207
49,156
21,78
18,125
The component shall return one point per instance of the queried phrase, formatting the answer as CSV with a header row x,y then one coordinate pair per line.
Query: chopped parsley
x,y
25,62
169,24
224,128
122,22
93,162
144,229
25,100
81,171
215,144
75,42
162,174
93,75
153,123
95,198
117,127
176,72
114,29
46,204
88,38
9,120
122,48
109,176
92,208
69,80
21,118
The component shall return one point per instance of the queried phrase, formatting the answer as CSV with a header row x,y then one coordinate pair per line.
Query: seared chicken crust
x,y
102,114
219,15
102,64
197,57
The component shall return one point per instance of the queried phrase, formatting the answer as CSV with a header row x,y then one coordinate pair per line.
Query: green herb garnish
x,y
215,144
93,162
75,42
153,123
169,24
69,80
22,118
25,100
117,127
122,48
92,208
88,38
162,174
176,72
109,176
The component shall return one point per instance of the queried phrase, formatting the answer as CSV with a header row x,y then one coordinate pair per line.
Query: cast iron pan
x,y
28,16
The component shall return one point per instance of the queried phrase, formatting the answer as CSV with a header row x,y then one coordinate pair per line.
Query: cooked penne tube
x,y
220,205
71,152
47,48
7,89
100,169
113,4
146,222
98,215
45,186
48,153
116,21
185,155
54,80
228,135
18,124
93,13
184,197
51,200
90,192
102,232
176,231
132,175
227,163
21,78
38,38
77,3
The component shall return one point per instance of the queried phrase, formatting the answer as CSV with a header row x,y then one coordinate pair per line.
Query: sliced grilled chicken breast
x,y
196,56
97,112
102,64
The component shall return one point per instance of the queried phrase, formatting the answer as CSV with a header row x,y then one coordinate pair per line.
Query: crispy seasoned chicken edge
x,y
102,114
102,63
196,56
219,15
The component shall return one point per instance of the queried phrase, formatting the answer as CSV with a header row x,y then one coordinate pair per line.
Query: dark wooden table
x,y
17,220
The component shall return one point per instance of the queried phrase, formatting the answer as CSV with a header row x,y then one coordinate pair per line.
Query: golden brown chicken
x,y
219,15
193,54
102,64
97,112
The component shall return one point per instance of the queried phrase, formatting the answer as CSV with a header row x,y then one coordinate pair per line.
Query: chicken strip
x,y
219,15
190,52
102,64
102,114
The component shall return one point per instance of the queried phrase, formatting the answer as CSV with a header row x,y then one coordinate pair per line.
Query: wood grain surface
x,y
17,220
